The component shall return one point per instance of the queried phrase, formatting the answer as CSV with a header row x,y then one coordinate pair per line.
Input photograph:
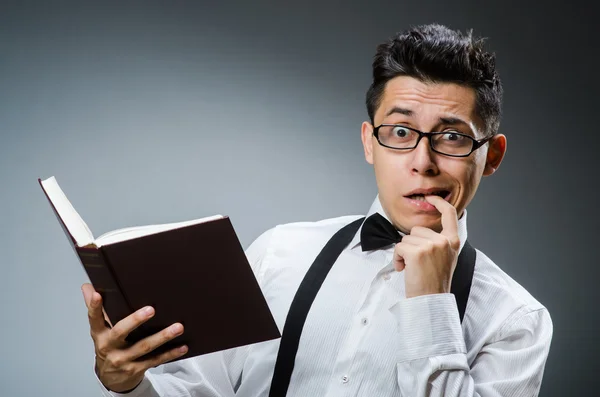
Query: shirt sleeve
x,y
212,375
433,358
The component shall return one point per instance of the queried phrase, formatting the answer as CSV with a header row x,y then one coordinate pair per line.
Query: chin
x,y
432,222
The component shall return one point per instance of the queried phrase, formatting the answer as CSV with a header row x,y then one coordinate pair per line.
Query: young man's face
x,y
428,107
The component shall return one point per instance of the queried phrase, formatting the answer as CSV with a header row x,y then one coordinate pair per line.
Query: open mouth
x,y
421,196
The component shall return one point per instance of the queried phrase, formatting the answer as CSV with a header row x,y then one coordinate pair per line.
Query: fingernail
x,y
183,349
176,328
148,310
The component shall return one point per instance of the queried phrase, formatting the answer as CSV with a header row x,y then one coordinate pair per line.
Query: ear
x,y
495,154
366,134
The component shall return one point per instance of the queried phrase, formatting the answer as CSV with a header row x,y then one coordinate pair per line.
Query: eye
x,y
454,136
400,131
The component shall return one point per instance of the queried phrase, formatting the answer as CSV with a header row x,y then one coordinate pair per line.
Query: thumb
x,y
88,292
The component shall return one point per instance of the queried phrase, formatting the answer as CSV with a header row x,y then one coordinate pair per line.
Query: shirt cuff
x,y
137,392
428,326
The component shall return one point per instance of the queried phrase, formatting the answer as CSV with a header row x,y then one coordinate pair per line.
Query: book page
x,y
78,229
130,233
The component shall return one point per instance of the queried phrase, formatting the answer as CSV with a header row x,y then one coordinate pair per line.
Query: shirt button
x,y
345,379
386,276
364,321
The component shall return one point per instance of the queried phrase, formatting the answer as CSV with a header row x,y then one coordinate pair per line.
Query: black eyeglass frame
x,y
476,143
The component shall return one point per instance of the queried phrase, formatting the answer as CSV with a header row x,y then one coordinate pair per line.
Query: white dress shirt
x,y
363,337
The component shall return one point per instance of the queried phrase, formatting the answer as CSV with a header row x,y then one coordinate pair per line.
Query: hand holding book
x,y
118,363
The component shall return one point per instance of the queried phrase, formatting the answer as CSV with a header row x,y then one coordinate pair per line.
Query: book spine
x,y
105,283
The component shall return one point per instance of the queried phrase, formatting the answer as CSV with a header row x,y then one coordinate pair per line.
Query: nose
x,y
423,159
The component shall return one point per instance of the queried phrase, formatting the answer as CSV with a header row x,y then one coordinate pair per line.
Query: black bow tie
x,y
378,232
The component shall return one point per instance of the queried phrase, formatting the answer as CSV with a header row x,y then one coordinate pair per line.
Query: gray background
x,y
159,112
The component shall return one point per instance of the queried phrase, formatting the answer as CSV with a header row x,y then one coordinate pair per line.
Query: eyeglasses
x,y
449,143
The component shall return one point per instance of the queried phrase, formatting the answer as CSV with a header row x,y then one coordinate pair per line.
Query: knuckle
x,y
442,241
129,370
448,243
115,361
144,347
167,334
102,349
165,357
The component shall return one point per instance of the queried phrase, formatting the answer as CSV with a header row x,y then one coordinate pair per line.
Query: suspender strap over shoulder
x,y
307,291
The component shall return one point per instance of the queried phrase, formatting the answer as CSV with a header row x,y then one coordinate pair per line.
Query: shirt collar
x,y
376,207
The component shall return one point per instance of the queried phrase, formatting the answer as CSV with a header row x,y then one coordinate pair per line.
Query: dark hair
x,y
436,54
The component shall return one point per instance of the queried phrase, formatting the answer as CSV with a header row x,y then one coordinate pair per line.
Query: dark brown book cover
x,y
197,275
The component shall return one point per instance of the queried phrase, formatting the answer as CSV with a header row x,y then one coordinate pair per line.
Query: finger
x,y
426,237
95,313
416,241
399,264
164,357
402,254
88,292
449,217
424,232
123,328
152,342
87,289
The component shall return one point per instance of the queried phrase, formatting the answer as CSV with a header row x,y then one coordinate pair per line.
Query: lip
x,y
426,192
424,206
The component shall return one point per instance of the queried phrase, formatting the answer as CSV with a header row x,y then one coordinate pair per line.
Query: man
x,y
387,320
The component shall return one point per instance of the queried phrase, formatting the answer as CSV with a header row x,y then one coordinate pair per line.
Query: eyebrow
x,y
442,120
452,121
396,109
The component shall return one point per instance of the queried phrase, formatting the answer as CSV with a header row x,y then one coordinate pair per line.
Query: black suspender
x,y
310,285
463,277
307,291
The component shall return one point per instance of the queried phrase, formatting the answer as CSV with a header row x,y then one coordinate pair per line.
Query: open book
x,y
82,234
194,272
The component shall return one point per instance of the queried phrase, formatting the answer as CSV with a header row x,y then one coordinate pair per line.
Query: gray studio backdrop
x,y
161,112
